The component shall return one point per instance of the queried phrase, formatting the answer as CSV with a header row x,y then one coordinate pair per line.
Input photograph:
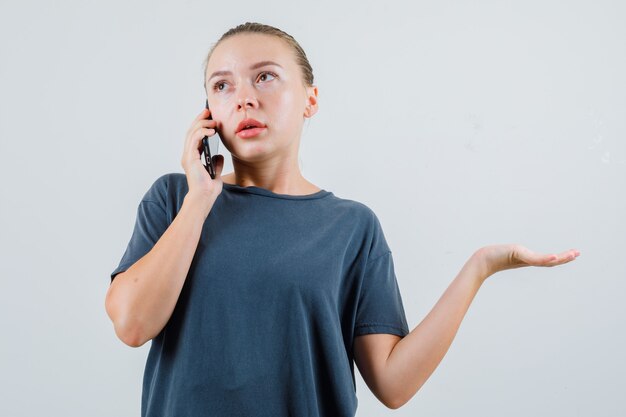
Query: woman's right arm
x,y
141,300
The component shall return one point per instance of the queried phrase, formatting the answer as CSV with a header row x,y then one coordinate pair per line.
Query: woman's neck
x,y
290,186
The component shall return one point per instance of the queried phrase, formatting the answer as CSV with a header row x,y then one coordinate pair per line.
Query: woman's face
x,y
273,94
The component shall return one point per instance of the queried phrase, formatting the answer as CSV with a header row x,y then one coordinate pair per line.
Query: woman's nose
x,y
247,98
247,102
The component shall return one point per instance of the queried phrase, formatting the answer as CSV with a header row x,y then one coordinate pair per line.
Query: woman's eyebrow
x,y
253,66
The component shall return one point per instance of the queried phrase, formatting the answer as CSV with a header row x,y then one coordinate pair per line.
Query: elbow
x,y
391,402
126,331
398,401
129,337
133,342
395,404
129,334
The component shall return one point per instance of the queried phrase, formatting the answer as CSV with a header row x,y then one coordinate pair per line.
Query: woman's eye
x,y
263,74
262,77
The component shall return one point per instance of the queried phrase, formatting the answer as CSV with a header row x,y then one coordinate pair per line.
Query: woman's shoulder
x,y
355,209
168,191
168,182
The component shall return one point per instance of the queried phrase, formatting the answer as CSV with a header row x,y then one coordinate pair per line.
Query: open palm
x,y
508,256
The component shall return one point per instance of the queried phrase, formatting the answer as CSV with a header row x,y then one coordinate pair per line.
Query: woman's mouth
x,y
249,133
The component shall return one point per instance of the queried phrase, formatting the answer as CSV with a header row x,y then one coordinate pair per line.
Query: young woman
x,y
258,289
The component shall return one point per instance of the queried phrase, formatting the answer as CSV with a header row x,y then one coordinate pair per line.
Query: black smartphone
x,y
207,150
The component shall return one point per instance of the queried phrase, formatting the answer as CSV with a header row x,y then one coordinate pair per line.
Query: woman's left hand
x,y
497,258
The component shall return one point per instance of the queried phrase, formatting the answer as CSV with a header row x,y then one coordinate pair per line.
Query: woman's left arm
x,y
414,358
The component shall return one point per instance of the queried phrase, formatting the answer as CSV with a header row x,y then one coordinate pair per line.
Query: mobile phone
x,y
207,150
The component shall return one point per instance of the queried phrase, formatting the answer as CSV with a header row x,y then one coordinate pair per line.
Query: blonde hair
x,y
252,27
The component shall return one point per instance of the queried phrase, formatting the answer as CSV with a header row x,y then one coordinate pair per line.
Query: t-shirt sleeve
x,y
379,307
150,224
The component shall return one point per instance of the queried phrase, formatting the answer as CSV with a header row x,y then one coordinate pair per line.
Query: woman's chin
x,y
252,152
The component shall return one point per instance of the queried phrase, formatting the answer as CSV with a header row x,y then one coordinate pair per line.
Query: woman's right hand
x,y
198,179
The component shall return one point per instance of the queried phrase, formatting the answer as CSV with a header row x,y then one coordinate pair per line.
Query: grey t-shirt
x,y
277,290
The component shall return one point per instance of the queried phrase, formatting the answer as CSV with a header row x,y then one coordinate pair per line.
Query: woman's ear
x,y
311,105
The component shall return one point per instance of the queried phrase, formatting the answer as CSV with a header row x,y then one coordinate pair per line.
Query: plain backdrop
x,y
461,124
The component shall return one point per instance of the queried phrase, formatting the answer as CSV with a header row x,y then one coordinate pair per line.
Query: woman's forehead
x,y
242,51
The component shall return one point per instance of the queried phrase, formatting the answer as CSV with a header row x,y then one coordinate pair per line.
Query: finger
x,y
530,257
562,258
204,123
193,146
198,121
201,123
199,134
218,162
569,255
203,115
208,124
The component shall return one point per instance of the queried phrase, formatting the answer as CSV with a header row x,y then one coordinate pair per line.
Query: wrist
x,y
198,203
481,264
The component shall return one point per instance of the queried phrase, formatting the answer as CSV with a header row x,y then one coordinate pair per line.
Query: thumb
x,y
218,163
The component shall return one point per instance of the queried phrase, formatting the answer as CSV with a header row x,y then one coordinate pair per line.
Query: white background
x,y
461,124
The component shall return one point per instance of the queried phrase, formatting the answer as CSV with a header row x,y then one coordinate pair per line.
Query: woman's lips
x,y
248,133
